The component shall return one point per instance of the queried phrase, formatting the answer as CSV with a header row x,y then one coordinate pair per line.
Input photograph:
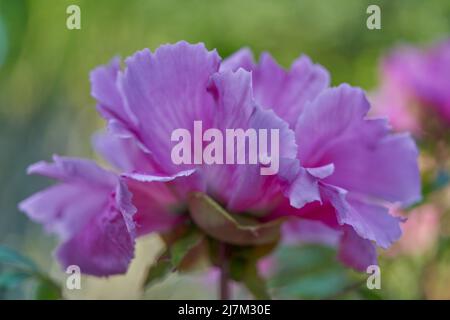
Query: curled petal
x,y
104,246
90,210
370,221
356,252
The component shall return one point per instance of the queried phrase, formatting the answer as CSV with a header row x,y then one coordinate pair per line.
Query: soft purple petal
x,y
367,160
356,252
334,116
370,221
75,170
90,210
242,58
123,153
158,208
167,91
286,92
297,231
104,246
388,170
60,210
110,100
304,189
242,186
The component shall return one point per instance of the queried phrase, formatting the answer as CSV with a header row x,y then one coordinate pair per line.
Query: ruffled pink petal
x,y
74,170
242,187
105,90
286,92
367,160
167,91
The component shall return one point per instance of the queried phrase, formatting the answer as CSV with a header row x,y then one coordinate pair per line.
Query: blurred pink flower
x,y
415,82
420,231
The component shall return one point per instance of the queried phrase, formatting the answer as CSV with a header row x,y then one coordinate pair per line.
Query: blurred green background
x,y
45,103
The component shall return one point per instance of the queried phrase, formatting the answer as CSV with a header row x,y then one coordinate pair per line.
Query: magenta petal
x,y
158,209
159,199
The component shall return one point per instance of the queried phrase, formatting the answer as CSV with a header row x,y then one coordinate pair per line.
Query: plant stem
x,y
224,289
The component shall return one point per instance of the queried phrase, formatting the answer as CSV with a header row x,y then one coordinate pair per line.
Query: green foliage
x,y
312,272
181,248
159,270
13,258
17,270
47,290
244,240
175,256
12,279
246,271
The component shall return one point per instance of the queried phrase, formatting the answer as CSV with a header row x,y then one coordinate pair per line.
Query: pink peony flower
x,y
337,167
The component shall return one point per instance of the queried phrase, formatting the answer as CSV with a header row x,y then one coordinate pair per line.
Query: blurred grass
x,y
45,103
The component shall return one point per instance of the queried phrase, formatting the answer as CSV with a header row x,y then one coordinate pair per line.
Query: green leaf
x,y
244,269
246,272
11,279
174,256
13,258
47,290
255,283
309,272
320,285
233,229
159,270
181,248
